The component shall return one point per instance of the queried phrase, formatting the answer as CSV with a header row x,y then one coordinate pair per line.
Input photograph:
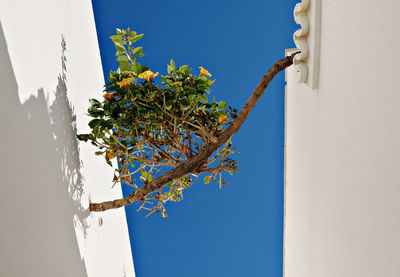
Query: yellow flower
x,y
148,76
110,155
177,83
110,96
124,83
129,73
222,118
204,72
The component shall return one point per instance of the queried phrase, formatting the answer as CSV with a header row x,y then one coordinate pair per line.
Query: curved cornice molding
x,y
300,38
307,14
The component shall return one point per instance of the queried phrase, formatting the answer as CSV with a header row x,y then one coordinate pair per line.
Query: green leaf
x,y
84,137
207,180
136,68
183,68
94,123
117,39
210,83
94,102
94,112
122,58
203,97
118,30
109,162
170,69
144,173
99,153
137,51
173,64
124,65
120,48
106,107
221,106
136,38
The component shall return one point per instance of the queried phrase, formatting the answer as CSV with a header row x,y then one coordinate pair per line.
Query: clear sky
x,y
236,231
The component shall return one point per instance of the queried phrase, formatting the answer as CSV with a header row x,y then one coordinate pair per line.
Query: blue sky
x,y
236,231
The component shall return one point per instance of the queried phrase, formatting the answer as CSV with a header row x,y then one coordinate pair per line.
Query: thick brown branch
x,y
195,163
211,170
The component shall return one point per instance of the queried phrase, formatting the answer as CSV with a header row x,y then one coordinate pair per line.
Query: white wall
x,y
49,67
342,203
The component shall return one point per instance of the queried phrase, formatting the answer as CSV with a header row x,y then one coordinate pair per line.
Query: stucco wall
x,y
49,67
342,189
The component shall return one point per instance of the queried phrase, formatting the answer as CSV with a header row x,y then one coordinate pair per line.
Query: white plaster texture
x,y
49,66
342,148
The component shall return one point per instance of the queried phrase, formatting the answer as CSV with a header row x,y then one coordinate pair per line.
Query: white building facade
x,y
342,145
49,67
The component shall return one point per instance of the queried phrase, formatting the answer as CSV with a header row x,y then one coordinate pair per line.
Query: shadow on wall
x,y
63,126
41,185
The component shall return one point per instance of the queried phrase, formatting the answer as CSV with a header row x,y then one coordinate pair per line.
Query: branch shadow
x,y
63,126
41,185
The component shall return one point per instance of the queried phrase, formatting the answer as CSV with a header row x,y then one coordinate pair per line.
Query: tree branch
x,y
195,163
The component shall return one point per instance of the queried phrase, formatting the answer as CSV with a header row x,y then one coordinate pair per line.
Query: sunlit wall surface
x,y
343,148
49,67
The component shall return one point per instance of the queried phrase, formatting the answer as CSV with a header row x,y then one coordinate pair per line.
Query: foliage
x,y
152,128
